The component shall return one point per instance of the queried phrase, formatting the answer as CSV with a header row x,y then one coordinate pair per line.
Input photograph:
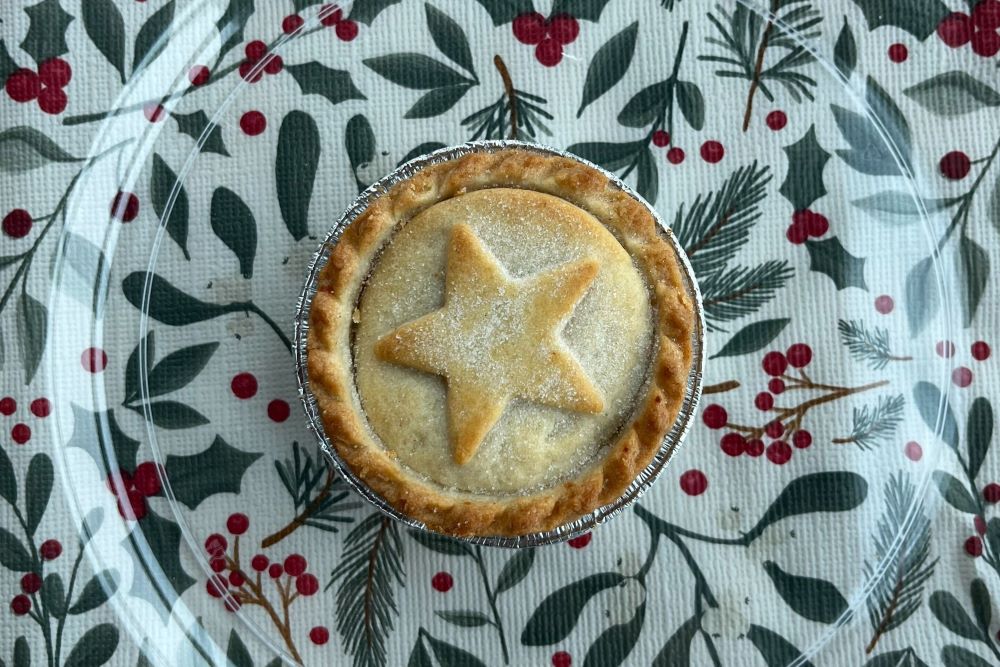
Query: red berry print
x,y
330,15
898,53
255,50
986,43
764,401
774,429
217,564
817,224
564,28
52,100
986,15
216,545
253,123
23,85
979,523
17,223
913,451
797,233
55,72
799,355
133,506
244,385
319,635
774,363
779,453
715,416
955,165
259,562
529,28
278,410
198,75
712,151
974,546
249,73
293,22
991,493
7,406
232,603
275,570
776,386
125,207
31,583
274,65
442,582
754,447
94,359
50,549
802,439
661,138
346,30
980,350
147,478
776,120
694,482
122,479
961,377
675,155
733,444
42,408
154,113
307,584
20,605
884,304
21,433
216,587
549,52
237,523
955,30
295,565
945,348
236,579
581,541
561,659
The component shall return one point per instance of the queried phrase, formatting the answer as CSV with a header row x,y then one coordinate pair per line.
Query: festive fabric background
x,y
832,175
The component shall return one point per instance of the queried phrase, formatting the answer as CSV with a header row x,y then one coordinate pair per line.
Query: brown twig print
x,y
759,63
301,518
508,86
721,387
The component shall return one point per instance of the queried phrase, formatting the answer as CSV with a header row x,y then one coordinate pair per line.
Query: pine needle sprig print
x,y
368,572
730,294
905,567
869,345
494,121
874,425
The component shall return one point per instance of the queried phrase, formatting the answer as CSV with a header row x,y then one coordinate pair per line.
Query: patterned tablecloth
x,y
169,167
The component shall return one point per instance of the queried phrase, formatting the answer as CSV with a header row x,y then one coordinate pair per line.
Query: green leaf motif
x,y
234,224
415,70
464,618
7,64
904,658
803,183
515,570
163,538
979,434
691,103
505,11
920,18
25,148
13,555
922,294
95,647
168,304
975,263
37,490
53,595
133,374
613,645
955,493
96,592
161,188
106,29
953,93
195,125
419,657
994,211
22,652
645,106
89,432
218,469
611,156
814,599
452,656
870,153
449,37
47,26
845,52
816,492
831,258
176,370
677,651
956,656
295,170
236,651
647,182
948,610
8,479
232,23
359,140
171,415
775,649
558,613
752,337
981,604
152,37
609,65
440,544
32,332
437,101
365,11
936,413
900,204
583,10
333,84
91,269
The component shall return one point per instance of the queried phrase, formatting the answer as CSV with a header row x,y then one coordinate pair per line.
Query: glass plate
x,y
776,531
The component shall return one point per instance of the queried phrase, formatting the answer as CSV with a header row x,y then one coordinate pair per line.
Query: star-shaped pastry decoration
x,y
496,338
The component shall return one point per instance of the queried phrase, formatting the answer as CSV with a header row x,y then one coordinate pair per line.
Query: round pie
x,y
499,342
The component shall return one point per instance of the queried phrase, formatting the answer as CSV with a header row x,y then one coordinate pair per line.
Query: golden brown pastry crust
x,y
330,363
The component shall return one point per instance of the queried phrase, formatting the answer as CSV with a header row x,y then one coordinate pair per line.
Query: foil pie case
x,y
639,485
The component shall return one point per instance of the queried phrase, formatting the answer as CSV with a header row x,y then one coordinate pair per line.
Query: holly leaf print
x,y
920,18
106,29
232,23
161,188
7,64
218,469
505,11
89,431
609,65
814,599
953,93
295,170
234,224
152,37
333,84
24,148
803,183
775,649
195,125
584,10
159,576
831,258
47,24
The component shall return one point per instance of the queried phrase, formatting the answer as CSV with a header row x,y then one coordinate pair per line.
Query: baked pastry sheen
x,y
499,343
